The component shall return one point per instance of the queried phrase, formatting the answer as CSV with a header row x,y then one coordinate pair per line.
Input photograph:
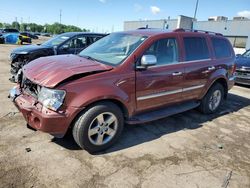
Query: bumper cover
x,y
41,118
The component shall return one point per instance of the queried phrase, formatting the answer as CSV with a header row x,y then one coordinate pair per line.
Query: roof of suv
x,y
152,31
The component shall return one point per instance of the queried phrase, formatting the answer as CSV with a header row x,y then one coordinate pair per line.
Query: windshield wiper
x,y
93,59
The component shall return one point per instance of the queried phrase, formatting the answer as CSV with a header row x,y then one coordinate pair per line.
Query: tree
x,y
1,25
15,25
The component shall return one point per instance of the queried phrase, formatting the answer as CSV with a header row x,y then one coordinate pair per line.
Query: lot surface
x,y
186,150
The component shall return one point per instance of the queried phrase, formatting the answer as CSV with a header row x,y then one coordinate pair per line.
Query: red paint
x,y
122,84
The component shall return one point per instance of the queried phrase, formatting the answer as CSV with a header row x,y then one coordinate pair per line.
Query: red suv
x,y
126,77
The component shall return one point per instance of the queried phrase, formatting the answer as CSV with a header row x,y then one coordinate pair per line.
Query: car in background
x,y
45,34
66,43
13,36
243,68
28,34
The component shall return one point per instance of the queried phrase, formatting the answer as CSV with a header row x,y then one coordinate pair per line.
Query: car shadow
x,y
138,134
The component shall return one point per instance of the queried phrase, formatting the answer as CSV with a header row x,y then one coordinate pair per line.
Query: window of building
x,y
221,48
238,41
165,50
196,48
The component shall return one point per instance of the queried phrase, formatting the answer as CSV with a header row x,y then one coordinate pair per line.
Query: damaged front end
x,y
17,62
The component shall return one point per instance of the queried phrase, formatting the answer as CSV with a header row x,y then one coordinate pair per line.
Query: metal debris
x,y
227,179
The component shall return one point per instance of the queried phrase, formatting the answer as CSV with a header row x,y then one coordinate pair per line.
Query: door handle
x,y
211,68
177,73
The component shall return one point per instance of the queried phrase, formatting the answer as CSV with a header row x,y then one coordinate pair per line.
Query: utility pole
x,y
196,7
60,16
195,12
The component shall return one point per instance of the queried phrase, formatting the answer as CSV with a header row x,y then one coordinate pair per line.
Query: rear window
x,y
196,48
221,48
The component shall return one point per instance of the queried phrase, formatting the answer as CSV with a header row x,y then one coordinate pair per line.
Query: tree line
x,y
55,28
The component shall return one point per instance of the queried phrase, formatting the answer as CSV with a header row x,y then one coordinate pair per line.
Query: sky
x,y
109,15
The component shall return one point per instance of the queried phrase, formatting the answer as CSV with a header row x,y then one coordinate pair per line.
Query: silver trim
x,y
180,62
193,87
164,93
159,94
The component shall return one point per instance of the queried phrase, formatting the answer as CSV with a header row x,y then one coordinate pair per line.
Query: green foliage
x,y
55,28
15,25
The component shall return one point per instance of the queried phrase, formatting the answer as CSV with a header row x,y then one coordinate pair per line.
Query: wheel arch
x,y
114,101
223,82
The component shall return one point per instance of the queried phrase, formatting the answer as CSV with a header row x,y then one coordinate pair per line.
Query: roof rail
x,y
196,30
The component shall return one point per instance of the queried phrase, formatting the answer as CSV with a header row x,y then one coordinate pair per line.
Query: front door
x,y
160,85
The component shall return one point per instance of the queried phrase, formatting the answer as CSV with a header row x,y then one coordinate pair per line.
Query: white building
x,y
236,30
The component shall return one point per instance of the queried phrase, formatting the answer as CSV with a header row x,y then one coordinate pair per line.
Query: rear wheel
x,y
98,127
212,100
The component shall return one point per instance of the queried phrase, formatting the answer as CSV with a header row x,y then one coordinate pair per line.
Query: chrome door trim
x,y
180,62
193,87
164,93
159,94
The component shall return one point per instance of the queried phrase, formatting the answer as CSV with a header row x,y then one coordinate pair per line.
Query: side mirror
x,y
148,60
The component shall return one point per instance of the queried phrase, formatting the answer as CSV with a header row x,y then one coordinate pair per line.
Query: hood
x,y
242,62
50,71
28,48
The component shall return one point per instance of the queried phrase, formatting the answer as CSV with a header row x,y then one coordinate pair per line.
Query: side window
x,y
165,51
221,48
78,42
196,48
96,38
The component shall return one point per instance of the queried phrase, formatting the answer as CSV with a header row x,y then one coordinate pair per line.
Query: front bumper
x,y
41,118
243,77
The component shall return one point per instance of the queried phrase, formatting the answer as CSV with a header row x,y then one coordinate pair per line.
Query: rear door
x,y
198,65
160,85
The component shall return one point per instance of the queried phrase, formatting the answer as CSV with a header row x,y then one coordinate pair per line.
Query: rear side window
x,y
221,48
196,48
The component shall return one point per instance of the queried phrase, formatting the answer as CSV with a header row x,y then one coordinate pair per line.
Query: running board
x,y
162,113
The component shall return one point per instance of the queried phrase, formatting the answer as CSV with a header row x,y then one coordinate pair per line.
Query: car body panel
x,y
50,71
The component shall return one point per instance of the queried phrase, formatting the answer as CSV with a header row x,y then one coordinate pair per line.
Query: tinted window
x,y
78,42
165,51
195,48
221,48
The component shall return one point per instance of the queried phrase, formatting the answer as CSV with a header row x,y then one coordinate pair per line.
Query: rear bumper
x,y
231,82
41,118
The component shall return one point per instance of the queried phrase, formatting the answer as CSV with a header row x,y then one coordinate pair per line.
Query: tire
x,y
214,96
87,124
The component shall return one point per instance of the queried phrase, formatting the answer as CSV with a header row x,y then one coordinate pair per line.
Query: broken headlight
x,y
51,98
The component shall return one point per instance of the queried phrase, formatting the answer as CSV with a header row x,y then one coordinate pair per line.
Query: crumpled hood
x,y
50,71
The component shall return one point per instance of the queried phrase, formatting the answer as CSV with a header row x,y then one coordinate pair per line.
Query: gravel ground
x,y
186,150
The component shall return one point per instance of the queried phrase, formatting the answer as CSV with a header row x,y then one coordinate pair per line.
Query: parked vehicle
x,y
133,77
66,43
243,68
28,34
13,36
2,41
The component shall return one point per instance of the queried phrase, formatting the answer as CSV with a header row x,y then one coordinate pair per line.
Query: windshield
x,y
246,54
56,40
114,48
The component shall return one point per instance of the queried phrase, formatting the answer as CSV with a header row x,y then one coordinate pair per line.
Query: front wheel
x,y
98,127
212,100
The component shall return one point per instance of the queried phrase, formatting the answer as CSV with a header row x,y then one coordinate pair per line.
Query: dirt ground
x,y
186,150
